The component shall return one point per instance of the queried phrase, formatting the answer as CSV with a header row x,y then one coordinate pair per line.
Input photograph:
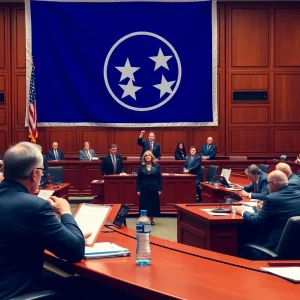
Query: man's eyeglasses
x,y
268,182
41,169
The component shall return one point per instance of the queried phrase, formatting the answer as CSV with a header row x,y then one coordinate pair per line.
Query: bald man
x,y
282,203
208,150
294,180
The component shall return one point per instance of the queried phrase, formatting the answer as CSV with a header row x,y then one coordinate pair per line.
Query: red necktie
x,y
88,155
114,163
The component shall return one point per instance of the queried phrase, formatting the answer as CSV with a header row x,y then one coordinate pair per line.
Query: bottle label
x,y
143,228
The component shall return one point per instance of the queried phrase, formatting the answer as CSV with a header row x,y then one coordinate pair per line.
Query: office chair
x,y
47,294
289,245
263,168
57,173
211,172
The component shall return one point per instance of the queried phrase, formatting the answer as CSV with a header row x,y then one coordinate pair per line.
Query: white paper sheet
x,y
292,273
90,218
45,194
248,208
226,173
209,211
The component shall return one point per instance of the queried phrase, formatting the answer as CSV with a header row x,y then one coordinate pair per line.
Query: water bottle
x,y
143,230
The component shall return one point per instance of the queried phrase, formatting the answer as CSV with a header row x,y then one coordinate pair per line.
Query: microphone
x,y
221,210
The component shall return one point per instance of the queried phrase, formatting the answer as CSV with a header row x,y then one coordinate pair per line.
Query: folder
x,y
105,249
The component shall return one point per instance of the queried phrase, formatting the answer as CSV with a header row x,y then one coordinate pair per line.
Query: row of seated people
x,y
207,152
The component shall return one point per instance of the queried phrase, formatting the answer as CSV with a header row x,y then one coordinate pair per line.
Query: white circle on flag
x,y
151,34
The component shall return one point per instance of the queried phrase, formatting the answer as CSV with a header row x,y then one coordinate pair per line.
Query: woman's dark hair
x,y
183,148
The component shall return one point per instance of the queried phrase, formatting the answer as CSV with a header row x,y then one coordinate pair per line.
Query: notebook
x,y
105,249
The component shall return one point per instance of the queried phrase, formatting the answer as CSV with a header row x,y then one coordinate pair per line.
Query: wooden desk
x,y
181,272
199,229
211,194
61,191
179,188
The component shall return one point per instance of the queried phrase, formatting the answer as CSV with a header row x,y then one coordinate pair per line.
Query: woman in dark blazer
x,y
149,185
180,152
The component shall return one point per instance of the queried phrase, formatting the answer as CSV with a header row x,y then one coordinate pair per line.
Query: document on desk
x,y
91,218
105,249
248,208
208,210
45,194
290,273
233,189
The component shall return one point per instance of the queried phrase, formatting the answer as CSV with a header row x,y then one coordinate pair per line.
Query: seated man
x,y
55,153
112,163
294,180
149,145
258,188
192,165
208,150
281,204
28,224
87,153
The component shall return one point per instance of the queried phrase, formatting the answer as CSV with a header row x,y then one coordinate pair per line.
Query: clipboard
x,y
91,218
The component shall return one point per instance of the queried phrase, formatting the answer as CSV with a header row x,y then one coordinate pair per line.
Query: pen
x,y
107,230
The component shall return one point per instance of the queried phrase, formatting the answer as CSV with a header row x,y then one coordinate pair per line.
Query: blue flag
x,y
107,63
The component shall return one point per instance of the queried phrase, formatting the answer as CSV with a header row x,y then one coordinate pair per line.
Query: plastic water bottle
x,y
143,230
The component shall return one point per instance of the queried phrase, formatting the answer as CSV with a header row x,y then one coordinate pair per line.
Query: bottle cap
x,y
143,212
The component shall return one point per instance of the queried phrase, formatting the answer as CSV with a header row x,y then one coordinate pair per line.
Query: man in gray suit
x,y
87,153
294,180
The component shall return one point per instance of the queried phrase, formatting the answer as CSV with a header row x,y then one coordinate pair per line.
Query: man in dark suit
x,y
87,153
294,180
192,165
208,150
149,145
55,153
258,188
28,224
279,205
112,163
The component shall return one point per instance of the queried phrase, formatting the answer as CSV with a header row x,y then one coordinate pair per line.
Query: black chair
x,y
48,294
211,172
288,246
57,173
264,168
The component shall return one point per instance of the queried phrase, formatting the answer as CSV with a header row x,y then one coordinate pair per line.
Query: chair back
x,y
263,168
211,172
289,244
57,173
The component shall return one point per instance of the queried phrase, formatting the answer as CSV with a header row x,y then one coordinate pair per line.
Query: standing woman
x,y
180,152
149,185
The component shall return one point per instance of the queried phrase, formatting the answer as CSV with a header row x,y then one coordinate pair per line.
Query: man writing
x,y
28,225
149,145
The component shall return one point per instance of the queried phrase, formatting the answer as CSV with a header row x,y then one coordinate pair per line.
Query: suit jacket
x,y
180,155
262,187
277,208
51,156
107,167
211,152
146,146
28,226
294,181
83,156
194,167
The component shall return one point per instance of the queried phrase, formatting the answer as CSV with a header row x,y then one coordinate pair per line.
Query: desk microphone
x,y
221,210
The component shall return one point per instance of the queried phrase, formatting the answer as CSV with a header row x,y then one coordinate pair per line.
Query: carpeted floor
x,y
165,227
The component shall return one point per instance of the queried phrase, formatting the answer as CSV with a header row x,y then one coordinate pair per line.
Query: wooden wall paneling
x,y
249,36
286,141
287,98
250,82
249,141
126,140
287,37
2,116
67,139
245,114
71,175
200,136
20,94
170,139
4,38
98,139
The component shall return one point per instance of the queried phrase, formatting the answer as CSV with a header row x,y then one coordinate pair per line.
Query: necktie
x,y
191,160
114,163
151,147
208,146
88,155
255,187
55,154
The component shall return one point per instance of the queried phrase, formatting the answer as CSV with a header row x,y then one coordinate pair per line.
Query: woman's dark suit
x,y
180,155
149,184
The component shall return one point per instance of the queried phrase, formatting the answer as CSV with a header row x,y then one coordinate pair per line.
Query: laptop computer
x,y
224,181
226,173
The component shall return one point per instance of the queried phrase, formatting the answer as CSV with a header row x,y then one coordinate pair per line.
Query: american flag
x,y
33,132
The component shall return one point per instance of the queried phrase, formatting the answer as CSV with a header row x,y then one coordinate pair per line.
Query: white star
x,y
127,71
129,89
160,60
164,86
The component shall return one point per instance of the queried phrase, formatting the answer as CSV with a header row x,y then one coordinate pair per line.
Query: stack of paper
x,y
290,273
106,249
